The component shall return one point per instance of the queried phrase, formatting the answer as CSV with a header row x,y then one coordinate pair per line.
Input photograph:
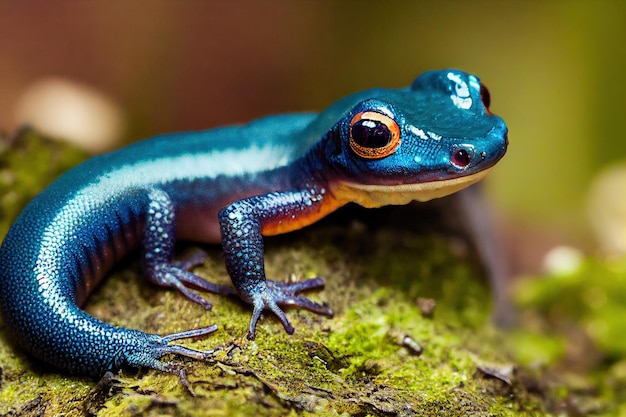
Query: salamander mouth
x,y
382,195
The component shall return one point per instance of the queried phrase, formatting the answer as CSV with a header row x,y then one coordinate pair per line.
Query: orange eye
x,y
373,135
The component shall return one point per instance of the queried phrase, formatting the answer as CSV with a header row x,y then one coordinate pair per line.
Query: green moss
x,y
27,164
537,350
574,324
594,298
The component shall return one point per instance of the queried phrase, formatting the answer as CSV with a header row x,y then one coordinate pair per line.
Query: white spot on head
x,y
474,82
434,136
461,103
460,87
461,98
418,132
386,111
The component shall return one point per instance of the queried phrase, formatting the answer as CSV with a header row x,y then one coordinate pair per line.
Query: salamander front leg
x,y
242,224
158,246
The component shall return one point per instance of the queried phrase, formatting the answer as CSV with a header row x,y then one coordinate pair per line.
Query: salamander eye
x,y
485,96
460,158
373,135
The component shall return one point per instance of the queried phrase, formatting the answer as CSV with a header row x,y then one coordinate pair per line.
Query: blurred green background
x,y
555,71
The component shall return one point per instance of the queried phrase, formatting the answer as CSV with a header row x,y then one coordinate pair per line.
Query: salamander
x,y
232,185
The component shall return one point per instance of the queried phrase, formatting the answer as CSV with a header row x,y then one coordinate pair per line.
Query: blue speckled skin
x,y
232,185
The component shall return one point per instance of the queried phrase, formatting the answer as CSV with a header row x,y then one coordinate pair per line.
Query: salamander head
x,y
417,143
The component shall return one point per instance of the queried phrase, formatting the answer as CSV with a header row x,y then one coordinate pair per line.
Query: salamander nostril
x,y
460,158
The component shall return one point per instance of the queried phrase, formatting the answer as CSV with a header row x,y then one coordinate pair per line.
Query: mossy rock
x,y
381,354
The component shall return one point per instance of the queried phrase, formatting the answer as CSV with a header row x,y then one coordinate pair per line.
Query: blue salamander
x,y
230,185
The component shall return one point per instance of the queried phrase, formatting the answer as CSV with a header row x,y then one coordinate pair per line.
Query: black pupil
x,y
371,133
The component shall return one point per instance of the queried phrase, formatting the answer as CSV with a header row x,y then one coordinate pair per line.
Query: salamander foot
x,y
276,293
176,275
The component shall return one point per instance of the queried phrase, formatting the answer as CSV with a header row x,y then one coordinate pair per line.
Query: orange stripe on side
x,y
297,219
